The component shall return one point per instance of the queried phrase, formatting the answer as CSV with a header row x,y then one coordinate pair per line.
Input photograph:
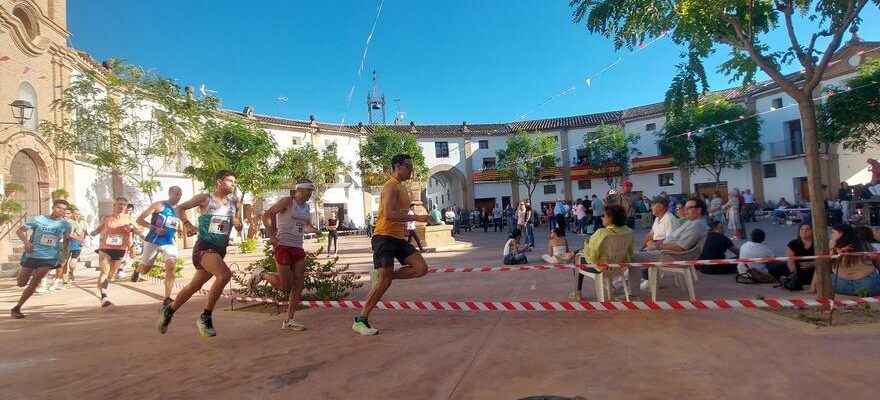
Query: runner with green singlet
x,y
218,216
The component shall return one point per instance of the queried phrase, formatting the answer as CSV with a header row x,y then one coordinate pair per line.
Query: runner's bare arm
x,y
99,228
236,222
22,235
269,216
389,201
153,208
200,200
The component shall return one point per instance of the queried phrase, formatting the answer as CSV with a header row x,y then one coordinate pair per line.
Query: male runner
x,y
78,232
116,230
217,218
389,240
287,221
41,251
160,240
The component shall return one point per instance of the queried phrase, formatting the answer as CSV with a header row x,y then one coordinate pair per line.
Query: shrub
x,y
248,245
317,287
158,270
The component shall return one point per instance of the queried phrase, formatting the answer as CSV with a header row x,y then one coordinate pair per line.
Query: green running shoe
x,y
165,315
206,327
362,326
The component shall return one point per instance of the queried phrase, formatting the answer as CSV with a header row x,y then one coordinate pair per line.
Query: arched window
x,y
26,16
27,93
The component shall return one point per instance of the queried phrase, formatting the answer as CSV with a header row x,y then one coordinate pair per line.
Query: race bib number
x,y
48,240
114,239
299,228
219,225
171,222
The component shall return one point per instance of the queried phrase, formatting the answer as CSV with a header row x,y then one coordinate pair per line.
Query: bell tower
x,y
376,104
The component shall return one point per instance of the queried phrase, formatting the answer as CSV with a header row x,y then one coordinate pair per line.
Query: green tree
x,y
701,25
851,116
378,149
241,147
525,158
693,142
321,167
127,121
610,151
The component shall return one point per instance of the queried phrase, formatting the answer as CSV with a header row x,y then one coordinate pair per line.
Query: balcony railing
x,y
787,148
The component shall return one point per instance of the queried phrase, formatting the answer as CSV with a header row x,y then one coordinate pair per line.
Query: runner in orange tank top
x,y
389,240
116,230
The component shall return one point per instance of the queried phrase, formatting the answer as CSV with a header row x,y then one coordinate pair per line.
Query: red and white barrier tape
x,y
548,306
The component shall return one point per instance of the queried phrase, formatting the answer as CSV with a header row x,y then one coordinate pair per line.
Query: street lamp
x,y
22,110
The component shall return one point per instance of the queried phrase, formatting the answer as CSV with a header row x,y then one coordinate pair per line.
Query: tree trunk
x,y
807,108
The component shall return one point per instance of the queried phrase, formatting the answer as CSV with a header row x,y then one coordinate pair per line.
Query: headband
x,y
305,185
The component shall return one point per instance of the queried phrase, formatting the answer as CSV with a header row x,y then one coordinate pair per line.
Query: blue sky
x,y
447,61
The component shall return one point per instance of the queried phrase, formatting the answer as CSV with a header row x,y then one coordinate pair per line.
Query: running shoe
x,y
16,313
362,326
105,302
206,327
290,324
165,315
70,276
56,285
135,275
255,279
167,302
41,290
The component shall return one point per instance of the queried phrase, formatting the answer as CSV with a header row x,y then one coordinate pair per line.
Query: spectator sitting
x,y
755,248
800,247
512,253
683,238
557,248
868,236
664,223
436,218
680,213
614,222
779,215
716,247
854,275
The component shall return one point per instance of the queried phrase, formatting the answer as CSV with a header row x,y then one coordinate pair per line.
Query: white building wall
x,y
649,182
492,189
539,195
477,155
784,184
456,152
647,143
735,178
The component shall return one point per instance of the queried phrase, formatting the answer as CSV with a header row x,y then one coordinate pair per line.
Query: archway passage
x,y
24,171
446,188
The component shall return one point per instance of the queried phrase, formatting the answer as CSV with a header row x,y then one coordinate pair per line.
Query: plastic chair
x,y
616,248
686,273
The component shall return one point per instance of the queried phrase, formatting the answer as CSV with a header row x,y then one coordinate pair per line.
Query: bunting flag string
x,y
363,61
591,78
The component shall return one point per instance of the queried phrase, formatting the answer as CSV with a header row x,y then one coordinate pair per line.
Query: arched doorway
x,y
446,187
24,171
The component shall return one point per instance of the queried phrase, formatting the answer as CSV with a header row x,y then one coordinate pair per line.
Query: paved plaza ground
x,y
70,348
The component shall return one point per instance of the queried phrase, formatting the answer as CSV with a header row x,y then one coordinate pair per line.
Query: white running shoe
x,y
41,290
290,324
105,302
255,279
56,285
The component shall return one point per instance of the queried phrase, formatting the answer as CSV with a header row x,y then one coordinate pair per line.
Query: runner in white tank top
x,y
286,222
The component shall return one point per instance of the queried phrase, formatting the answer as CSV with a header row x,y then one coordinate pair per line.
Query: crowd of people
x,y
53,243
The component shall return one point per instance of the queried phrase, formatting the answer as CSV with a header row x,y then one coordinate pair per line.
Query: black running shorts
x,y
387,248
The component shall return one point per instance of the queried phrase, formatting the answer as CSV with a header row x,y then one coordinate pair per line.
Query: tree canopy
x,y
116,119
610,151
525,158
743,25
236,145
712,135
378,149
321,167
851,115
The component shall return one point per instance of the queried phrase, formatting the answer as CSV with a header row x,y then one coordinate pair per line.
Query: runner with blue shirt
x,y
163,226
42,251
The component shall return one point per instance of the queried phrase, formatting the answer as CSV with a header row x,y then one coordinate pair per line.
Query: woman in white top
x,y
557,248
734,223
513,254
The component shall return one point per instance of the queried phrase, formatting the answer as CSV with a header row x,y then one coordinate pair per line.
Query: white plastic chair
x,y
686,273
616,247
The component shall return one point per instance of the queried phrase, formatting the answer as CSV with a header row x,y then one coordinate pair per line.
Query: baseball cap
x,y
627,183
